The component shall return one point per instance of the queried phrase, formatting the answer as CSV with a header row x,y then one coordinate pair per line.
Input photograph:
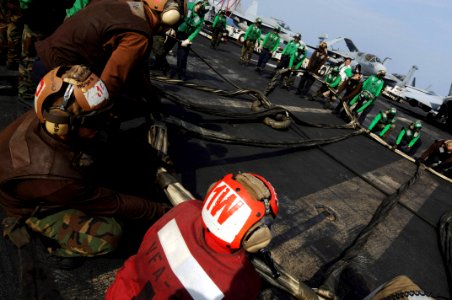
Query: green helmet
x,y
392,111
277,29
335,70
417,124
258,20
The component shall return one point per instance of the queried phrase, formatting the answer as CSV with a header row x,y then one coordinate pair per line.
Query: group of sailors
x,y
341,81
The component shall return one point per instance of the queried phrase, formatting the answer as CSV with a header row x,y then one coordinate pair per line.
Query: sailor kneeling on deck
x,y
51,174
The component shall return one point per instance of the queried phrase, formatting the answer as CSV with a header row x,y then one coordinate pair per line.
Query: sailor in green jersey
x,y
408,139
268,47
295,63
252,35
331,81
187,32
365,100
218,27
289,50
384,122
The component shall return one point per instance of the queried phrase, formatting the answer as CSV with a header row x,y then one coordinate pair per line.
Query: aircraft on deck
x,y
397,87
370,63
425,99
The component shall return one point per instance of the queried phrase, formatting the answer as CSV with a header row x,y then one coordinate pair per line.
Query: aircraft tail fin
x,y
350,45
410,75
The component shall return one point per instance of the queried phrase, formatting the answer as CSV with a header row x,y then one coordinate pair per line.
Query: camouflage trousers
x,y
247,51
77,233
27,86
11,27
216,37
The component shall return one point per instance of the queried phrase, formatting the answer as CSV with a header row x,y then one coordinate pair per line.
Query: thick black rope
x,y
330,271
254,93
267,111
215,136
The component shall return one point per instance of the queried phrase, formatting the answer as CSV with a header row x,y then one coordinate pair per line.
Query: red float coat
x,y
174,262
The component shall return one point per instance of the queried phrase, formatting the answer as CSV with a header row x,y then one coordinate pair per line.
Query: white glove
x,y
185,43
259,49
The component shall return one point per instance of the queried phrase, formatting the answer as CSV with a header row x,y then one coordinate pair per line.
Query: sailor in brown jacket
x,y
316,61
112,38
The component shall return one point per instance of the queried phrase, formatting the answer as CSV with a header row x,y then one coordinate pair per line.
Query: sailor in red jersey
x,y
199,249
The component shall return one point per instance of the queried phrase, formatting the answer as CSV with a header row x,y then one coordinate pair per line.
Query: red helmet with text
x,y
69,96
238,211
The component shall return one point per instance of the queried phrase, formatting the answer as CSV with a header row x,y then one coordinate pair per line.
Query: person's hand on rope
x,y
185,43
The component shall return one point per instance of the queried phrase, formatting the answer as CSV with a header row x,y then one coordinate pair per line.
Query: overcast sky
x,y
409,31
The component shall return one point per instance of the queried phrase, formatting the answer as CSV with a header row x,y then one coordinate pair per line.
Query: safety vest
x,y
373,84
291,48
253,33
192,20
271,41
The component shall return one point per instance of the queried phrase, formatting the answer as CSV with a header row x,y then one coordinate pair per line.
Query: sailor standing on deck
x,y
186,33
268,48
252,35
218,27
295,63
289,50
198,250
316,61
